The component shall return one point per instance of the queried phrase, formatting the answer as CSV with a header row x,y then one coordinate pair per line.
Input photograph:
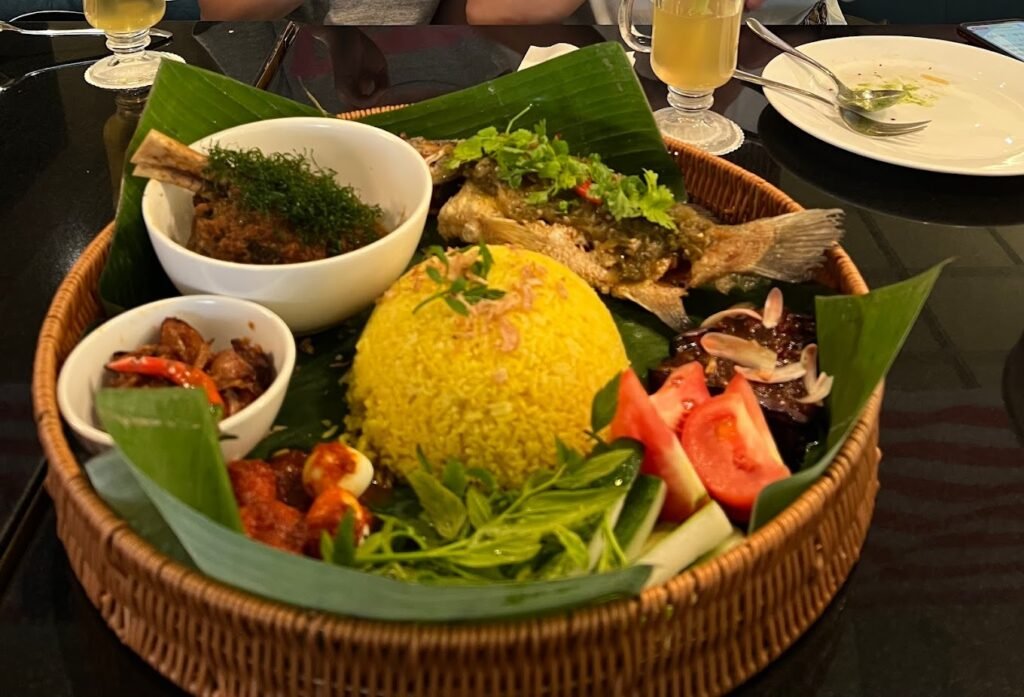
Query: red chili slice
x,y
583,191
730,454
177,372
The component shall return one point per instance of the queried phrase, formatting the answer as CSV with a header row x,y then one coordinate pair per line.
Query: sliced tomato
x,y
741,386
730,454
636,418
684,389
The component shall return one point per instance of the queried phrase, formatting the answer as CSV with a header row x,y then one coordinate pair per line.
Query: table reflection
x,y
948,199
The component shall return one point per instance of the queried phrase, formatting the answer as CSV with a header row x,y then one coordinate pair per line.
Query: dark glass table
x,y
936,605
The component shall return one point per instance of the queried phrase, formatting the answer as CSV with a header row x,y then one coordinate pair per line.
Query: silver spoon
x,y
7,26
865,99
853,118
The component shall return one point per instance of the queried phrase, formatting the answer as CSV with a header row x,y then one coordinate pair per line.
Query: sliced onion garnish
x,y
809,360
736,311
782,373
822,388
744,352
772,309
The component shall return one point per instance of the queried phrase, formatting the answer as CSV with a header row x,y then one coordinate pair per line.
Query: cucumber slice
x,y
734,538
639,514
698,535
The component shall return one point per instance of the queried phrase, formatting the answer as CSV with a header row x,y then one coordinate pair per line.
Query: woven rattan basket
x,y
703,633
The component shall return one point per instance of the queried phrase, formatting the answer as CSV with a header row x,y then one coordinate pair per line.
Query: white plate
x,y
973,97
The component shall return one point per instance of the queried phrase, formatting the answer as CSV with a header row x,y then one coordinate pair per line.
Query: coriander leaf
x,y
551,170
444,510
606,401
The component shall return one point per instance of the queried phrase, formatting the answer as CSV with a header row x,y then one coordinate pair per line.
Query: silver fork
x,y
854,119
865,99
7,26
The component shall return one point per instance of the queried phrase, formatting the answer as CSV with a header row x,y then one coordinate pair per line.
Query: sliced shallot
x,y
822,388
744,352
782,373
734,311
809,360
772,309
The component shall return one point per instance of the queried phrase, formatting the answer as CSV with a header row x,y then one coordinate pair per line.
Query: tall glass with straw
x,y
126,24
693,49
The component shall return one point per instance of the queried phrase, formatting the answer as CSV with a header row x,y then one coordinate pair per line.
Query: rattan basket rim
x,y
66,472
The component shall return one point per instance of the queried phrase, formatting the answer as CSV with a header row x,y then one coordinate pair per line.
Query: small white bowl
x,y
217,318
313,295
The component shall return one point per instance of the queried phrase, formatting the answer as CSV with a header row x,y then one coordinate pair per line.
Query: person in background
x,y
363,12
228,10
606,11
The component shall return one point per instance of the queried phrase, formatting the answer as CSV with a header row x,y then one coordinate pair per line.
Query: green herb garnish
x,y
522,154
465,290
538,531
288,186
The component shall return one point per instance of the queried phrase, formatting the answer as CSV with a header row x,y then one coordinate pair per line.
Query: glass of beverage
x,y
693,50
126,24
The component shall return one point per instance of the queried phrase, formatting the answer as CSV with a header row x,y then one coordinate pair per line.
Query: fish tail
x,y
784,248
662,300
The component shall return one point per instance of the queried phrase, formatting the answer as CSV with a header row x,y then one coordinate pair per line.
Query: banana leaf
x,y
196,513
181,450
859,337
591,97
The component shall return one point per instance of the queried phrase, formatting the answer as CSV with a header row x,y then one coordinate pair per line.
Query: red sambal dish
x,y
291,500
232,378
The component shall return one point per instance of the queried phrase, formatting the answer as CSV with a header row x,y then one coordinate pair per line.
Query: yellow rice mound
x,y
493,389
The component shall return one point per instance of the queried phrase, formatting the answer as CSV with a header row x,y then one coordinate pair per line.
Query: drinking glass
x,y
126,24
693,50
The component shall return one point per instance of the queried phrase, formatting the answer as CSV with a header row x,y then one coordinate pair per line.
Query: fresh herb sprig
x,y
520,154
287,185
470,531
465,290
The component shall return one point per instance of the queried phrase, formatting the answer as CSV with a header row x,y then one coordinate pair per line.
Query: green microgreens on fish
x,y
287,185
523,154
465,290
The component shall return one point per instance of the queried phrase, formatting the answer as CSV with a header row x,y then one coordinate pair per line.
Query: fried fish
x,y
633,258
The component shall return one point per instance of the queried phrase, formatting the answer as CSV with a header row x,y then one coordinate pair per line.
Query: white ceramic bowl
x,y
313,295
217,318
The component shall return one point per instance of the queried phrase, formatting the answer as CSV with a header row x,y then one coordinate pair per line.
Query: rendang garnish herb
x,y
287,185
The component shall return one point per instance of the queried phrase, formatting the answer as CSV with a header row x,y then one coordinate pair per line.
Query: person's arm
x,y
519,11
228,10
